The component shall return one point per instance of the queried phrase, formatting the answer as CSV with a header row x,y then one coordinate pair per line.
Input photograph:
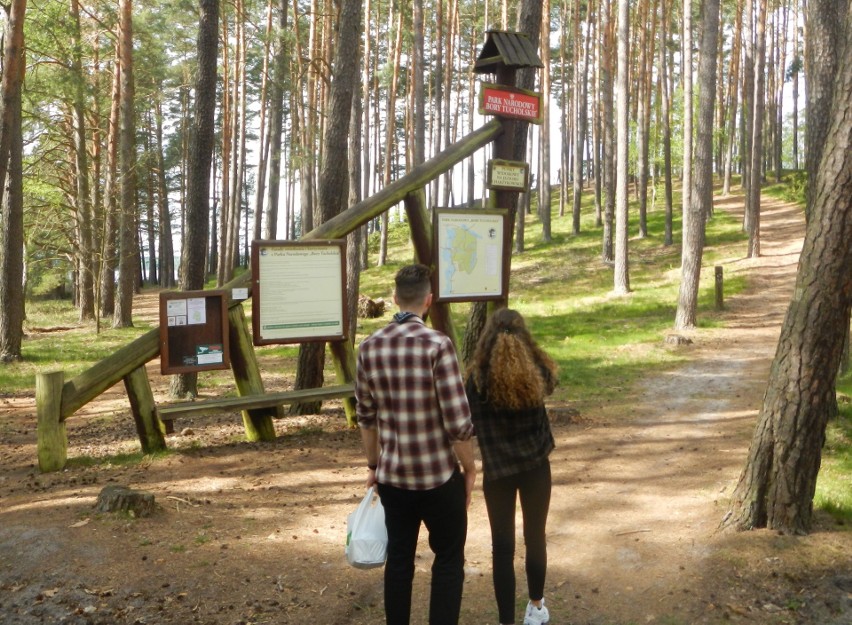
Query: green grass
x,y
834,484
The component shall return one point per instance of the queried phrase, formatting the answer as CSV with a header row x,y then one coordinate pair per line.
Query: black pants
x,y
443,512
500,496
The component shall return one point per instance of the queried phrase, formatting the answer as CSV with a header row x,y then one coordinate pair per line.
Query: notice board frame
x,y
268,259
500,215
205,336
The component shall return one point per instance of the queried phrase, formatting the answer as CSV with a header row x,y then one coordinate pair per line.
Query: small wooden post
x,y
343,355
258,421
52,436
144,410
720,288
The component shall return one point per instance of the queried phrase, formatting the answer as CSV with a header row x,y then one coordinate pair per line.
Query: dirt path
x,y
253,533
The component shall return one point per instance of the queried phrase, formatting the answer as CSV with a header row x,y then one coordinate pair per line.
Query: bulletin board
x,y
299,291
193,331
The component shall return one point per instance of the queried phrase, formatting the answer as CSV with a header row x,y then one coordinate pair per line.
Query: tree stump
x,y
122,499
370,308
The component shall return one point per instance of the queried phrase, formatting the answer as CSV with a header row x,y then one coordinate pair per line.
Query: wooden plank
x,y
250,402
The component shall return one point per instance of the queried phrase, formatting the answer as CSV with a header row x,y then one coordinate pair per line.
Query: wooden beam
x,y
249,402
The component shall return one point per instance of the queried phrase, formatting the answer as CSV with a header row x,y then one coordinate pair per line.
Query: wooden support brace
x,y
257,421
144,411
52,436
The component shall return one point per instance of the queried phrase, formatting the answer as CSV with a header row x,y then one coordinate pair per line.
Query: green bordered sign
x,y
510,102
508,175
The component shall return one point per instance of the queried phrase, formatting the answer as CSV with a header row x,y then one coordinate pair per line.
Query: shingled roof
x,y
506,48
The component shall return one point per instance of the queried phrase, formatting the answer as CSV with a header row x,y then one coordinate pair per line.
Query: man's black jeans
x,y
444,513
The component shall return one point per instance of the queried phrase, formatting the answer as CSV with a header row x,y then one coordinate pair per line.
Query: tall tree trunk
x,y
702,192
128,252
544,210
608,132
110,232
580,95
756,156
334,171
167,250
621,275
686,68
777,485
276,124
822,42
12,209
85,256
194,247
733,91
667,128
390,142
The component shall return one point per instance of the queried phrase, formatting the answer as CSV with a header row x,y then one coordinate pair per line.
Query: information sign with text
x,y
510,102
298,291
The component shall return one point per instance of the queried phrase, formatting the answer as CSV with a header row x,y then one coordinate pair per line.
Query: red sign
x,y
504,102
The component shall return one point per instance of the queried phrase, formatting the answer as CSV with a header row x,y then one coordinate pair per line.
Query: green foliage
x,y
792,188
834,483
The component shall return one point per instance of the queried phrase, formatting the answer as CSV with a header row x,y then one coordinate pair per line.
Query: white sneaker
x,y
536,616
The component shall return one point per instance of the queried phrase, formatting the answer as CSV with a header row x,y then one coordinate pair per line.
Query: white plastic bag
x,y
366,534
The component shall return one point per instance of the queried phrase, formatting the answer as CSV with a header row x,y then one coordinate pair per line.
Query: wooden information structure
x,y
193,331
299,291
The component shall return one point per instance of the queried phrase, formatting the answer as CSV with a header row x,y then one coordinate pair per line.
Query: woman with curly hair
x,y
506,385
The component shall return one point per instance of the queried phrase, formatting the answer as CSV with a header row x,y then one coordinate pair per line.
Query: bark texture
x,y
777,485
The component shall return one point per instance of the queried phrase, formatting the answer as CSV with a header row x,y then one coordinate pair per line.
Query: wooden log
x,y
249,402
144,409
82,389
51,434
257,421
343,354
720,287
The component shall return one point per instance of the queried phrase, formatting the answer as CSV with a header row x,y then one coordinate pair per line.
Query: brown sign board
x,y
510,102
508,175
193,331
298,291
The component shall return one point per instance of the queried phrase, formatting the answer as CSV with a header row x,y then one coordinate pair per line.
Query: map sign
x,y
469,256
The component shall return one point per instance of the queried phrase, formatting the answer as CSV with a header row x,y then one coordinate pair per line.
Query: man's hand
x,y
464,453
371,477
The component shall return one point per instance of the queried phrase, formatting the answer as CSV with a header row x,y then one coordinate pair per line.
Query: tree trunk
x,y
823,40
12,210
544,210
194,248
733,91
756,156
128,252
686,68
167,253
621,275
276,124
667,129
777,485
702,192
110,233
608,133
334,171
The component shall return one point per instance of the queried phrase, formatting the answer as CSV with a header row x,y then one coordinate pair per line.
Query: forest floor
x,y
253,532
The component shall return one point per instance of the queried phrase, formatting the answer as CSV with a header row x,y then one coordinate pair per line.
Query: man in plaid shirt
x,y
416,427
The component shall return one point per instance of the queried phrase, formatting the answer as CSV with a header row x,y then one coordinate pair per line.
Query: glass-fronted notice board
x,y
193,331
298,291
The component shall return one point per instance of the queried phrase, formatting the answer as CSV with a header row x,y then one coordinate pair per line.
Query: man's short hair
x,y
413,284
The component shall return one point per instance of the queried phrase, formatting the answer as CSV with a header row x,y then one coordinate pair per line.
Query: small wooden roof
x,y
506,48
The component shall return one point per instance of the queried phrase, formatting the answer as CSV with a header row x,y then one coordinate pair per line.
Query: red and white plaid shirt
x,y
408,385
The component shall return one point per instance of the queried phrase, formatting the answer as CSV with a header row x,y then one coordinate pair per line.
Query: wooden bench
x,y
167,413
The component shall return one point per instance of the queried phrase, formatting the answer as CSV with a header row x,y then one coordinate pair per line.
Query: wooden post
x,y
144,410
343,354
258,421
421,238
720,288
52,437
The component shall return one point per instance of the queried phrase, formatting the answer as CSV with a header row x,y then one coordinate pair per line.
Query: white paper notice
x,y
301,292
175,307
196,310
209,359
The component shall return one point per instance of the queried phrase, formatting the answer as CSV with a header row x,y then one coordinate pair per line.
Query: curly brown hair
x,y
509,368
